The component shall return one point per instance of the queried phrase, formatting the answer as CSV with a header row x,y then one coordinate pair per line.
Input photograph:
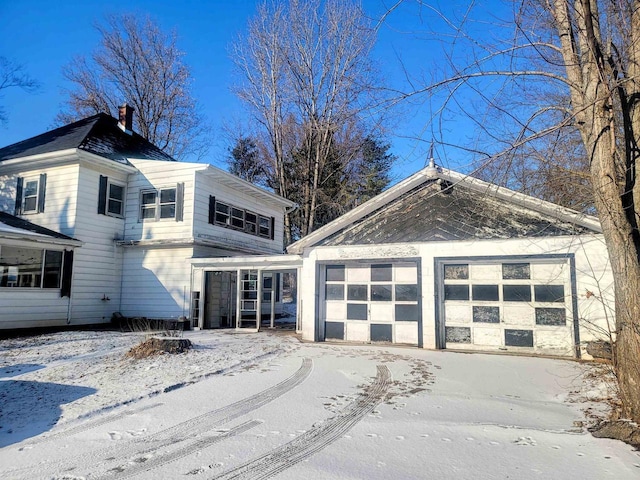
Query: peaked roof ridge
x,y
429,174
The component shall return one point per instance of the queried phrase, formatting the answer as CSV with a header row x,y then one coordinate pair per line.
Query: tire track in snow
x,y
89,424
188,449
315,439
183,431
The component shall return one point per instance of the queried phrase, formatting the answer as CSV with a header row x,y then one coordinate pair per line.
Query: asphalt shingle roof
x,y
429,213
98,134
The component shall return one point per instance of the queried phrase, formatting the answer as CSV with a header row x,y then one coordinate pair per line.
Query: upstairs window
x,y
236,218
110,197
162,204
30,194
115,200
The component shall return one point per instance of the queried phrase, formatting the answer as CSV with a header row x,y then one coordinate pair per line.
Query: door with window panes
x,y
371,302
507,305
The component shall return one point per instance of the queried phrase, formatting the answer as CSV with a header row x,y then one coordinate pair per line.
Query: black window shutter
x,y
19,184
42,188
212,209
273,225
67,272
102,195
180,202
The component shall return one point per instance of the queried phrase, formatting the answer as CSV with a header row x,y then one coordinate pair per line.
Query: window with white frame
x,y
30,194
159,204
115,199
30,267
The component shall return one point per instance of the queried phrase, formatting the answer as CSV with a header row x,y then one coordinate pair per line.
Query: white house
x,y
440,260
137,218
443,260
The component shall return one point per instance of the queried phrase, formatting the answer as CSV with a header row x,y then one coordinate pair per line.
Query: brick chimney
x,y
125,118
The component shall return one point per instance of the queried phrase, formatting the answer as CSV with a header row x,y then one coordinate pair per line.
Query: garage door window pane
x,y
486,314
357,292
335,273
381,293
516,293
407,313
406,293
549,293
516,271
551,316
456,292
458,334
334,330
456,272
485,292
356,311
381,273
335,292
518,338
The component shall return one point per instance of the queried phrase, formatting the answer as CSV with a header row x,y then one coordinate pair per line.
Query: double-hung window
x,y
30,194
162,203
110,197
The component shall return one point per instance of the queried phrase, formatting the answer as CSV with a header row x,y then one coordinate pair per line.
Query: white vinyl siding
x,y
98,263
153,178
27,308
248,212
156,282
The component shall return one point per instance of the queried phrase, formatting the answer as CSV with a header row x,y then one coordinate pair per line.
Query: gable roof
x,y
98,134
17,228
442,205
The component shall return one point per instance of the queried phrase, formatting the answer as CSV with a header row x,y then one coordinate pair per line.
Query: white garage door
x,y
371,302
508,305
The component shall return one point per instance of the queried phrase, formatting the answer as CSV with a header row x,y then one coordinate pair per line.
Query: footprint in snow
x,y
494,443
399,437
445,439
525,441
470,439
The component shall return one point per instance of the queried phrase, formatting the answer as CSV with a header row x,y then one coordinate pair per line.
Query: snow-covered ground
x,y
264,405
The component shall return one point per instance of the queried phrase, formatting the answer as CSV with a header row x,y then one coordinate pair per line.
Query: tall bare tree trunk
x,y
596,91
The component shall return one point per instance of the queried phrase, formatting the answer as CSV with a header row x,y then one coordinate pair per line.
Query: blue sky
x,y
44,36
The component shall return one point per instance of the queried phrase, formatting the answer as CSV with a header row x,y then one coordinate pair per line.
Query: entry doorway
x,y
272,293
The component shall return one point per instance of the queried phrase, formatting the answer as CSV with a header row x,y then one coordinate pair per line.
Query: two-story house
x,y
132,215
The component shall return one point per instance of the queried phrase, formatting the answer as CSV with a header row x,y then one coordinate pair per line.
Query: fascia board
x,y
42,160
217,172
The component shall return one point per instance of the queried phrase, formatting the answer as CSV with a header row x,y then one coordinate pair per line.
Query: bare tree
x,y
138,64
305,73
582,58
13,75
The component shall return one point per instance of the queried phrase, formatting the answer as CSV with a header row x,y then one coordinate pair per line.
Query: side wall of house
x,y
98,263
593,277
156,282
154,175
204,231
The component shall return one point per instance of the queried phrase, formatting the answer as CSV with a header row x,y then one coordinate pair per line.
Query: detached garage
x,y
444,260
